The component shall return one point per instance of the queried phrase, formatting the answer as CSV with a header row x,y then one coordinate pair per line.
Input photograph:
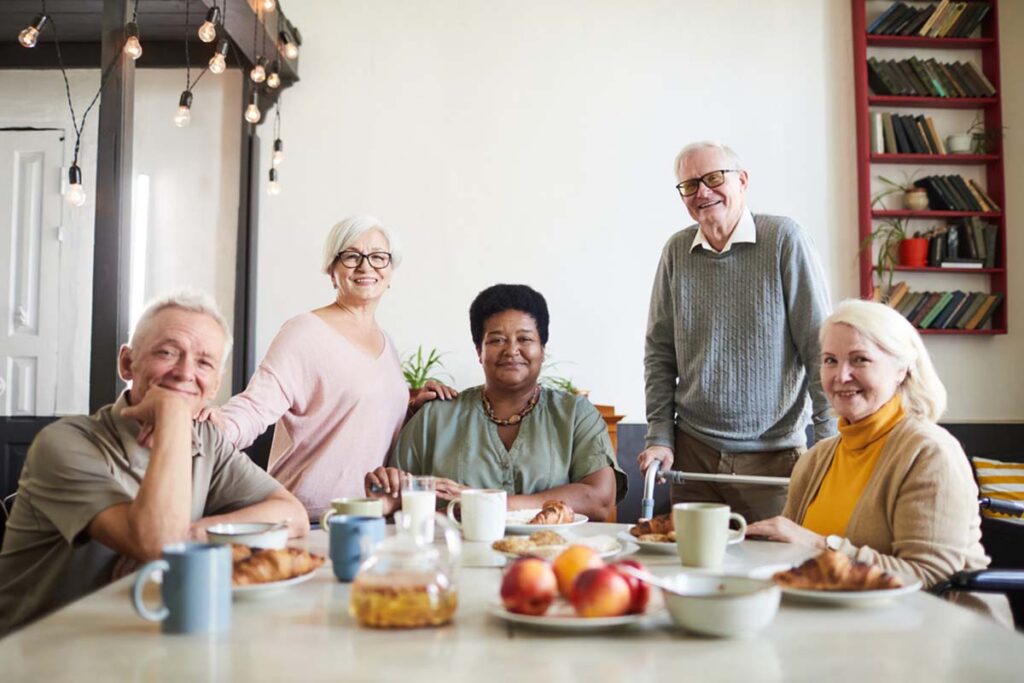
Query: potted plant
x,y
895,247
914,198
559,382
983,141
419,368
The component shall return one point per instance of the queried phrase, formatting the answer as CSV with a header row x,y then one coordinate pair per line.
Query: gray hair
x,y
345,232
193,300
922,391
731,155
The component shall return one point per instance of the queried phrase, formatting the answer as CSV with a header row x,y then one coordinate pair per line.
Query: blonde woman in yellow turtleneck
x,y
894,488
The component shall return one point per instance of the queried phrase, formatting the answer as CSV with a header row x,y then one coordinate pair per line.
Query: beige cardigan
x,y
918,514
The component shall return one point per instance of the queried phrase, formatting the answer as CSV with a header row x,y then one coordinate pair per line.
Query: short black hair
x,y
500,298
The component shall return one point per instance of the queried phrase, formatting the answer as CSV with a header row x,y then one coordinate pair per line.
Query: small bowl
x,y
253,534
724,606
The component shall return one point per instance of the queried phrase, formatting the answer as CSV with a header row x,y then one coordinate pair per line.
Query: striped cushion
x,y
1002,480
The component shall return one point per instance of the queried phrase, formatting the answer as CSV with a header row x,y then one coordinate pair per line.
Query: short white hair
x,y
193,300
693,147
922,391
345,232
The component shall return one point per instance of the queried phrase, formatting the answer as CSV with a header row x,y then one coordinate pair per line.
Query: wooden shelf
x,y
1001,330
935,269
903,213
931,102
957,159
935,43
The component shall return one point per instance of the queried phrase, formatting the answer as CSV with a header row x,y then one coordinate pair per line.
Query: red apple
x,y
529,586
601,592
639,591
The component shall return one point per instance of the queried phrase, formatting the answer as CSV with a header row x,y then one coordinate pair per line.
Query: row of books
x,y
945,20
967,243
927,78
944,310
954,193
904,134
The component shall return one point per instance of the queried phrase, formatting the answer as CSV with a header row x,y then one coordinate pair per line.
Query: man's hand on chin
x,y
157,405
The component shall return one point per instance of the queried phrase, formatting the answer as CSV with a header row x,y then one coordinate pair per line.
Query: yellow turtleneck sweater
x,y
854,461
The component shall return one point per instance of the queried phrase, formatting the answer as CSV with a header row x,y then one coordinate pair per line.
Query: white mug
x,y
702,532
483,514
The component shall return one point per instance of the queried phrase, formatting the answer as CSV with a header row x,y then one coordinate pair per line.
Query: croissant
x,y
833,571
264,566
662,524
554,512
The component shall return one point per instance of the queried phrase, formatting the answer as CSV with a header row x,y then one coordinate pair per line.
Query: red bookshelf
x,y
987,44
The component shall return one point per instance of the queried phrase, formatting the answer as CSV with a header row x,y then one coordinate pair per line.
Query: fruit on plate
x,y
570,562
601,592
529,586
639,591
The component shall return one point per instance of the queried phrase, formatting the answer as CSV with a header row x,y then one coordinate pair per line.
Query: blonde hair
x,y
729,153
921,391
345,232
193,300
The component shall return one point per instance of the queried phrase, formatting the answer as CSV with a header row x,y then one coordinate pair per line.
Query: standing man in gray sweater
x,y
732,357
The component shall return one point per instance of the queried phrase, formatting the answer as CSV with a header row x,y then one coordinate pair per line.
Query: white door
x,y
30,214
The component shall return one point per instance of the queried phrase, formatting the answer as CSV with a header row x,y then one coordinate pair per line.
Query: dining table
x,y
305,632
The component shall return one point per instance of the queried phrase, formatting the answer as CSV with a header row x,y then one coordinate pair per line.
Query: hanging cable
x,y
258,74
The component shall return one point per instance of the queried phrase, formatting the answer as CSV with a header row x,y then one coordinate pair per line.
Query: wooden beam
x,y
244,361
111,250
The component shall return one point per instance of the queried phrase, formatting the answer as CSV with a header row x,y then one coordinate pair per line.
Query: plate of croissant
x,y
257,571
834,578
552,516
654,535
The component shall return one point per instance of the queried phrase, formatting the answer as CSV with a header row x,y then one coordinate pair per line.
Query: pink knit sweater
x,y
337,410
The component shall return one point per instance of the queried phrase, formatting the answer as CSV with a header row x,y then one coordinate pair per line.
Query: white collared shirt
x,y
744,232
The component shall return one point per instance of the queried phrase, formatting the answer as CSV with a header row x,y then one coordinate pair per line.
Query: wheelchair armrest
x,y
984,581
1007,507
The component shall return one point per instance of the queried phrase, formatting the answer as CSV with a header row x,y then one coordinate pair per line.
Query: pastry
x,y
525,545
833,571
264,566
655,538
662,524
554,512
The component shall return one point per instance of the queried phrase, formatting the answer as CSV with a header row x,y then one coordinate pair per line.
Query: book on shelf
x,y
955,299
984,312
954,193
977,299
936,309
896,294
922,310
927,78
954,312
962,263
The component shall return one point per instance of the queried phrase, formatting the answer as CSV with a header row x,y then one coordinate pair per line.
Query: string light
x,y
132,46
273,78
30,34
268,5
208,31
75,196
217,62
252,112
278,157
274,186
290,49
184,115
259,72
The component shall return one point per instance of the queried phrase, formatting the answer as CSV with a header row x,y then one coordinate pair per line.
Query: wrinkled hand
x,y
212,414
385,483
662,454
157,404
432,390
447,489
785,530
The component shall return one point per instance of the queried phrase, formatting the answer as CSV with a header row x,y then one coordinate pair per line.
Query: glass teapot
x,y
409,580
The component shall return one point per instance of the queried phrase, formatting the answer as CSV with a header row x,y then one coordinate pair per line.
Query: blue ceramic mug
x,y
196,588
352,540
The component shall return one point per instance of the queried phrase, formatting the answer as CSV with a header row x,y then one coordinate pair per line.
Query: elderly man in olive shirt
x,y
100,493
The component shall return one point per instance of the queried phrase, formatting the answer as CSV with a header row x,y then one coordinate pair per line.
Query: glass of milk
x,y
419,502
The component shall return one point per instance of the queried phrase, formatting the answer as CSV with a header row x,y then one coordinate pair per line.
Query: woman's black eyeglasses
x,y
376,259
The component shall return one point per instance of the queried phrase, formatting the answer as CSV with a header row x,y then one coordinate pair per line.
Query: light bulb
x,y
274,186
75,195
184,115
252,114
289,48
208,31
30,34
259,72
273,78
278,158
132,47
217,62
268,5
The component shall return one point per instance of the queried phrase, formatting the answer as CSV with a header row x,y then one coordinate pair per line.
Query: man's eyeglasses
x,y
376,259
688,188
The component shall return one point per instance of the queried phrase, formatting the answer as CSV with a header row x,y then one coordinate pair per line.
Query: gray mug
x,y
196,588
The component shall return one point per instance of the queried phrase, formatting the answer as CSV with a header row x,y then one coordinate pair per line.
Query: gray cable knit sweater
x,y
732,342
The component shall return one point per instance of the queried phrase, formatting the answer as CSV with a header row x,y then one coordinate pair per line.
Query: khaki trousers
x,y
751,501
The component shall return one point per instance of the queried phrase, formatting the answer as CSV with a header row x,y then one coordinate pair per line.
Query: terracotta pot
x,y
914,252
915,200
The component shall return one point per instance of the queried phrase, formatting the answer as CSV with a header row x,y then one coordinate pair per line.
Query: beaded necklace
x,y
514,419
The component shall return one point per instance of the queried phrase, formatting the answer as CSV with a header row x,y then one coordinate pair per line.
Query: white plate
x,y
516,522
849,598
261,589
561,617
549,552
668,548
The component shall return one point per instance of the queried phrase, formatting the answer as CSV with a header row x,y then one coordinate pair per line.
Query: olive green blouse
x,y
562,441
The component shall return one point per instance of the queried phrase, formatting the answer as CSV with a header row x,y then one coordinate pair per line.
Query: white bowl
x,y
726,606
253,534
